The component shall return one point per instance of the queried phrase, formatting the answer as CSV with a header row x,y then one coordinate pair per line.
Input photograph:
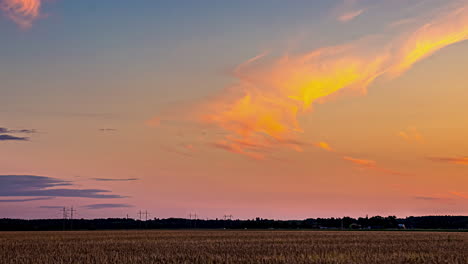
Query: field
x,y
233,247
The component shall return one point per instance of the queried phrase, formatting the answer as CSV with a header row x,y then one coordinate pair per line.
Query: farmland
x,y
228,246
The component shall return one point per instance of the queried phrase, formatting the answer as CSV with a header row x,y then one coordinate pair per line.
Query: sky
x,y
273,109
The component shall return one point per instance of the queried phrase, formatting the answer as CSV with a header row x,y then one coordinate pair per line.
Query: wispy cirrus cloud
x,y
350,15
264,106
22,12
456,160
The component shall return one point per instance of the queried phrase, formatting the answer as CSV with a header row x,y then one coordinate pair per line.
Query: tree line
x,y
347,223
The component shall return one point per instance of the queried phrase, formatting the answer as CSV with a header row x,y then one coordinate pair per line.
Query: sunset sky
x,y
269,108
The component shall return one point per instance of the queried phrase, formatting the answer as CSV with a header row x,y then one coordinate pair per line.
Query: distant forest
x,y
367,223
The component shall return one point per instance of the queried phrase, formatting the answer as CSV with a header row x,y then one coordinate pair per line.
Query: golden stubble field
x,y
233,247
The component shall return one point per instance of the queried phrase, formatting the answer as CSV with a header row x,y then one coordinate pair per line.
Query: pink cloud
x,y
348,16
22,12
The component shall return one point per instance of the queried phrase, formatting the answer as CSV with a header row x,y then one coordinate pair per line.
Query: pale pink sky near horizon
x,y
267,109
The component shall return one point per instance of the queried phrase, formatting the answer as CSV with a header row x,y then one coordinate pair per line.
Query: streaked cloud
x,y
436,198
428,198
22,12
4,130
55,207
25,200
459,160
181,150
463,195
12,138
324,146
348,16
362,162
107,206
115,180
107,129
41,186
235,148
372,165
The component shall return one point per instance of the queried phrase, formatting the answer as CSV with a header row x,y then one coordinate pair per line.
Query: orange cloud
x,y
271,93
411,134
236,148
461,160
22,12
346,17
372,165
154,122
460,194
447,29
324,146
362,162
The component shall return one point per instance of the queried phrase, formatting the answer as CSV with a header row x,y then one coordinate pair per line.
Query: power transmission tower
x,y
146,219
65,216
195,217
140,214
72,211
226,217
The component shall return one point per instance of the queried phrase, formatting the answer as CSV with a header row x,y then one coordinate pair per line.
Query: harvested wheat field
x,y
233,247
